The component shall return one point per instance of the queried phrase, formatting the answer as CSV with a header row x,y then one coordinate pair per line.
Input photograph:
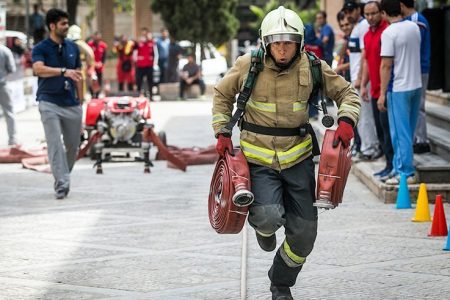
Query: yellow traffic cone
x,y
422,209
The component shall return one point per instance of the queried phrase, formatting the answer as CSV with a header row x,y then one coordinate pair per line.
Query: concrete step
x,y
388,193
438,114
439,140
432,168
438,97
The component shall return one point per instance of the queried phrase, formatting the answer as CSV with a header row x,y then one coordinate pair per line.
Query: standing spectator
x,y
326,35
366,126
56,60
37,25
163,44
7,66
175,51
147,54
191,74
312,42
372,59
421,144
125,69
99,47
343,67
400,52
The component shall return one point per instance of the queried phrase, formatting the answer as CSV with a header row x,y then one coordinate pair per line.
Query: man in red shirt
x,y
372,60
146,56
99,47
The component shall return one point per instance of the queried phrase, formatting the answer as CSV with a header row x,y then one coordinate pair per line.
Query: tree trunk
x,y
72,6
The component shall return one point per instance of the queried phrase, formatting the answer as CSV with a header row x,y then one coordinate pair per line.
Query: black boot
x,y
267,243
280,292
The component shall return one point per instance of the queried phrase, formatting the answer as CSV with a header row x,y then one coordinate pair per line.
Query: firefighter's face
x,y
283,52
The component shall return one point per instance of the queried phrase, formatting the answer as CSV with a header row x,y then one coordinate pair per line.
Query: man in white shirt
x,y
370,148
401,79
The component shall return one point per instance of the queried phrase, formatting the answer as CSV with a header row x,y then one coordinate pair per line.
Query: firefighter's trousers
x,y
285,199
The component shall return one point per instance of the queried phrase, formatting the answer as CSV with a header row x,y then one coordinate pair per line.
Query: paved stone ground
x,y
129,235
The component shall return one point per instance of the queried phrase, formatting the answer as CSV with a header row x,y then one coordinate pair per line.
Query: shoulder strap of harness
x,y
316,73
256,66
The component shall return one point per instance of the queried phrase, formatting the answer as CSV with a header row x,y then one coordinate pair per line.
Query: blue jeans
x,y
403,109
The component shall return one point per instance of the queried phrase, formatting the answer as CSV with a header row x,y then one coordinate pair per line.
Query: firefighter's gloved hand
x,y
344,134
223,144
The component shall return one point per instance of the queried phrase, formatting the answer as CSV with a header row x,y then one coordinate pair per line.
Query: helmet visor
x,y
283,37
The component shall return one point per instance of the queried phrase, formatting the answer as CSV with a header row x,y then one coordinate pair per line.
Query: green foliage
x,y
199,20
307,15
124,5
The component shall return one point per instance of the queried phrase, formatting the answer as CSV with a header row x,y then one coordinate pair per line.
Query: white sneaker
x,y
396,180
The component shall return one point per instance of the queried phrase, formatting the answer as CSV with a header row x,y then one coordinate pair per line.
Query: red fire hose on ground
x,y
179,158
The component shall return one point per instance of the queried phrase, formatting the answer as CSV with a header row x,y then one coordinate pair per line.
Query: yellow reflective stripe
x,y
258,153
348,107
268,107
219,118
295,152
299,106
295,258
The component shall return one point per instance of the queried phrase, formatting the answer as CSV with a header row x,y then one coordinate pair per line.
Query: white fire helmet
x,y
280,25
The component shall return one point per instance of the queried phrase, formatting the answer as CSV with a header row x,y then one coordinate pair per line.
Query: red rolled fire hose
x,y
334,167
231,174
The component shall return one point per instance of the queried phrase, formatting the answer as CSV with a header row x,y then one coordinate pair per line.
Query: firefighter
x,y
281,167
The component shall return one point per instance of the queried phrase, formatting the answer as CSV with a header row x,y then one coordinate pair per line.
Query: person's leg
x,y
139,78
120,86
376,118
387,142
130,86
393,131
8,112
421,127
266,213
162,70
151,81
201,83
402,130
301,223
182,88
416,103
56,154
71,128
366,129
149,74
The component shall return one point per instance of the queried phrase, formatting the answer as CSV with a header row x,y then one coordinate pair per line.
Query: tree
x,y
199,20
72,6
